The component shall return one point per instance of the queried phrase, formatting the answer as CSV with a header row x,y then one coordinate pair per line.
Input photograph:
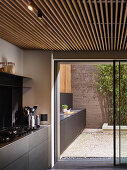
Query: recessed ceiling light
x,y
30,7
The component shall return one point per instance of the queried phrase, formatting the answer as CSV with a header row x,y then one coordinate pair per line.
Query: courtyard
x,y
95,143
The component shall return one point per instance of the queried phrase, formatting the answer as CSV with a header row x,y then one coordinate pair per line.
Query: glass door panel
x,y
120,112
123,112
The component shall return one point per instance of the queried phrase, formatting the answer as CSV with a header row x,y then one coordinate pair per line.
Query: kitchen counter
x,y
64,116
30,152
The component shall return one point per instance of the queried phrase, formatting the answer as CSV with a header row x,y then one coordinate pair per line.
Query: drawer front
x,y
38,157
13,151
37,138
19,164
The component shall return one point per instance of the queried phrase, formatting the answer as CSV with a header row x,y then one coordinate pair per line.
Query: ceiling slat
x,y
65,25
73,22
111,6
120,20
55,23
39,23
126,47
95,24
116,15
15,36
19,24
68,22
59,19
86,36
98,18
28,20
77,23
102,16
124,23
125,39
87,25
90,21
107,19
16,30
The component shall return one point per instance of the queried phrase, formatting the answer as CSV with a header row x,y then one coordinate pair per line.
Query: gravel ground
x,y
95,143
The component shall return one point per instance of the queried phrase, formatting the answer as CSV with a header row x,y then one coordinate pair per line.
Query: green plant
x,y
64,106
104,82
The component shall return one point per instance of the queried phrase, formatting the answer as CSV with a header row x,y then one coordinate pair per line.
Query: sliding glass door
x,y
120,112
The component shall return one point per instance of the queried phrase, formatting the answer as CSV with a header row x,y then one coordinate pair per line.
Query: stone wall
x,y
85,94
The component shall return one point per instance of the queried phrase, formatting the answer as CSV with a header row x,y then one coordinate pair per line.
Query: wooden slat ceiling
x,y
91,25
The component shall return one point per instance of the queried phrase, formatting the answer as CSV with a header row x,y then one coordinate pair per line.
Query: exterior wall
x,y
85,94
12,53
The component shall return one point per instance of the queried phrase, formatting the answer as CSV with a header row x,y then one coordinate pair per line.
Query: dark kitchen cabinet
x,y
28,153
38,157
19,164
71,127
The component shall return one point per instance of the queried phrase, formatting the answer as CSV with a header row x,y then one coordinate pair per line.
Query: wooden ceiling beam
x,y
16,31
120,20
54,10
67,21
102,16
124,25
111,6
86,36
86,22
17,39
55,23
116,15
95,24
45,31
17,24
126,47
26,19
125,39
77,24
90,21
65,25
107,19
68,11
98,18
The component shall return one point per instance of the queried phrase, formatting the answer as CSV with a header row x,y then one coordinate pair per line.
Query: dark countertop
x,y
24,135
64,116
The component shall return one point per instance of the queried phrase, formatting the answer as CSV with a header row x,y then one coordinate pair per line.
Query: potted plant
x,y
64,108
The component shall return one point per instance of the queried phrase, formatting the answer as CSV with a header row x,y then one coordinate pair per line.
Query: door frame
x,y
56,120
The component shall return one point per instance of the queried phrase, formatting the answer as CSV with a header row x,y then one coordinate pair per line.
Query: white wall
x,y
11,53
37,65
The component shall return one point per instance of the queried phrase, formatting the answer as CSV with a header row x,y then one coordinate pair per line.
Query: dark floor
x,y
87,164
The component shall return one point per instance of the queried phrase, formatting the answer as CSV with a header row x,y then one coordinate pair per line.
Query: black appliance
x,y
11,133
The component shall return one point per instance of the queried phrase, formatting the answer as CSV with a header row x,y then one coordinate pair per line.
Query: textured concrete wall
x,y
85,94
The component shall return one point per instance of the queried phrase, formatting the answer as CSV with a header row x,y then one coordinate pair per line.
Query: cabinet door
x,y
19,164
38,157
13,152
